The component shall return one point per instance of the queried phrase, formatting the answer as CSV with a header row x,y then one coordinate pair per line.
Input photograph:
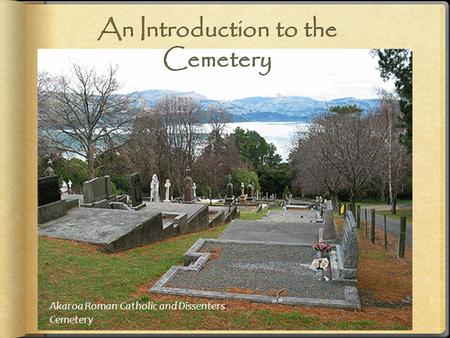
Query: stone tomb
x,y
98,192
197,214
113,230
50,205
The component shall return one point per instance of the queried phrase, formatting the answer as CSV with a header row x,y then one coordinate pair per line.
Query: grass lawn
x,y
71,272
375,202
400,213
251,215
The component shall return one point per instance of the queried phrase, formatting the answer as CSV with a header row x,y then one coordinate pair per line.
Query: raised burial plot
x,y
197,214
255,271
113,230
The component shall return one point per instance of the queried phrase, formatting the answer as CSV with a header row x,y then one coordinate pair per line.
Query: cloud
x,y
317,73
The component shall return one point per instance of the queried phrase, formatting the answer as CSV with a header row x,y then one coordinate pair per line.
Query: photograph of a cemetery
x,y
221,199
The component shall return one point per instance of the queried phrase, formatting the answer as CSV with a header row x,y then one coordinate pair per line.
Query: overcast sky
x,y
322,74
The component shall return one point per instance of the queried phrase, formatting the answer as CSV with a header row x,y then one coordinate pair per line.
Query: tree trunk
x,y
352,201
392,199
90,161
394,203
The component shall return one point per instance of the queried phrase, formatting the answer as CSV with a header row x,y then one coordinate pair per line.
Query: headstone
x,y
242,189
329,228
64,188
49,172
194,190
229,195
50,204
108,185
136,190
167,186
48,190
69,185
154,189
188,192
249,190
242,199
97,189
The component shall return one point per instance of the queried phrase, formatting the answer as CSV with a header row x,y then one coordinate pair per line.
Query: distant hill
x,y
265,109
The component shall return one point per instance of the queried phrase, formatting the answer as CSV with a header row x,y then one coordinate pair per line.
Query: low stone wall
x,y
232,214
72,203
51,211
217,219
148,232
347,251
197,222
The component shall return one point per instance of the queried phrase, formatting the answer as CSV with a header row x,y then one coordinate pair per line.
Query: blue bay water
x,y
282,134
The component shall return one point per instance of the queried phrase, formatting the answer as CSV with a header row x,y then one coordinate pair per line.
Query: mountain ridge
x,y
278,108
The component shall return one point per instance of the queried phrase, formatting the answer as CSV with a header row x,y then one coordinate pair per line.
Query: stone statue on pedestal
x,y
154,189
229,195
188,191
167,186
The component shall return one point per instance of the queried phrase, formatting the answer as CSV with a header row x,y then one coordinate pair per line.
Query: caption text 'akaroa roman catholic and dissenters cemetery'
x,y
221,199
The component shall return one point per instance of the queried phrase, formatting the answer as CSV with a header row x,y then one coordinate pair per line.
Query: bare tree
x,y
45,83
213,164
350,143
313,173
85,114
179,116
146,149
396,162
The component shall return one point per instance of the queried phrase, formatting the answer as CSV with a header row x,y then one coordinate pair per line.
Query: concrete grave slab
x,y
114,230
267,230
300,216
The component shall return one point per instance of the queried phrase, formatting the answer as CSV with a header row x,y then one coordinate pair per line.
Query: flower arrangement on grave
x,y
322,247
320,263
